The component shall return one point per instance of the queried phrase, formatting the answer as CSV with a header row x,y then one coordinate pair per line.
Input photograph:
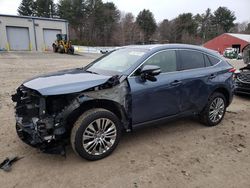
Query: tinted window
x,y
191,59
207,61
166,60
213,60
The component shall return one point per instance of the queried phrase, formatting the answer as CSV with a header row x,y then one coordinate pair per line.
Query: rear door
x,y
195,79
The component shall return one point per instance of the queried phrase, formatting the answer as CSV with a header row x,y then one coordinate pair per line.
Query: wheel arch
x,y
110,105
223,91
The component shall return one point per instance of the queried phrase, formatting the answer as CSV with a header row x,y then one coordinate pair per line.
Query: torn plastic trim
x,y
120,94
117,95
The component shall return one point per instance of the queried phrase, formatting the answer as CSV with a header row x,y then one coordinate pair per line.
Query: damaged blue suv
x,y
128,87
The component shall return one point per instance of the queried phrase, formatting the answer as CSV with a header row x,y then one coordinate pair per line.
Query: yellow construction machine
x,y
62,44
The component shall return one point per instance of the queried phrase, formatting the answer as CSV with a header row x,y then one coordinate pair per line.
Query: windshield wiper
x,y
91,72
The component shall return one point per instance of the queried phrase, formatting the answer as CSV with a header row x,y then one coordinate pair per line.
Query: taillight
x,y
232,70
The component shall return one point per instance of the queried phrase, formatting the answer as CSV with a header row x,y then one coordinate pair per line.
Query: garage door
x,y
49,36
18,38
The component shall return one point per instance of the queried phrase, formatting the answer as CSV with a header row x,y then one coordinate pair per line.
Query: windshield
x,y
118,61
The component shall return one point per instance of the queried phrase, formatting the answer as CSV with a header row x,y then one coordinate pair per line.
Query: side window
x,y
191,59
207,61
213,60
166,60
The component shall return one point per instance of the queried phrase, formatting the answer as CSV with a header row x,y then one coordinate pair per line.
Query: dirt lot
x,y
182,153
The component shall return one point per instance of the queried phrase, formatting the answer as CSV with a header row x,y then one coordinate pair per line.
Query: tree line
x,y
93,22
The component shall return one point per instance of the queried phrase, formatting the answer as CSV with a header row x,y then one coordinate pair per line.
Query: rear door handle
x,y
212,76
176,83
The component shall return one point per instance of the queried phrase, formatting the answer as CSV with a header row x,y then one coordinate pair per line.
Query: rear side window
x,y
191,59
207,61
213,60
166,60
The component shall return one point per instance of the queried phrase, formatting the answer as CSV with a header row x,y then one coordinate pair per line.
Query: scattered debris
x,y
239,149
132,161
231,112
135,185
185,173
242,145
198,160
241,136
8,162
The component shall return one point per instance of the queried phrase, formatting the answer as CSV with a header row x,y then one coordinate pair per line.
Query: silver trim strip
x,y
130,75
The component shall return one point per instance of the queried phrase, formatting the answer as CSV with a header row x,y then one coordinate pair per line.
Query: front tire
x,y
214,111
55,49
61,49
95,134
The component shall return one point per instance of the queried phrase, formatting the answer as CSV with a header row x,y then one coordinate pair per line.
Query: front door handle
x,y
176,83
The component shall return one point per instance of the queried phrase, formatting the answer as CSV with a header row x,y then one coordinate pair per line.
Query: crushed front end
x,y
34,124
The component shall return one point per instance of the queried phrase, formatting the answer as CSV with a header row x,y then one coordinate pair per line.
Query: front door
x,y
154,100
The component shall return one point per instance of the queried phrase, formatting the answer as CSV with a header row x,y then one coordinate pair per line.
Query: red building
x,y
228,40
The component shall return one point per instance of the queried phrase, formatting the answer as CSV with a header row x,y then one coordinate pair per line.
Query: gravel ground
x,y
180,153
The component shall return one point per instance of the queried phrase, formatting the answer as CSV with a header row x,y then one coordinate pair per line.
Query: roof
x,y
244,37
157,47
154,46
33,17
146,47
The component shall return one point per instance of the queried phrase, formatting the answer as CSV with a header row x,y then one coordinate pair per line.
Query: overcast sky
x,y
162,9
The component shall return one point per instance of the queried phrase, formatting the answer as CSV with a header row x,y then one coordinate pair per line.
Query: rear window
x,y
213,60
207,61
191,59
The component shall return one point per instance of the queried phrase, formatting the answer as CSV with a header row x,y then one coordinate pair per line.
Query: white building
x,y
19,33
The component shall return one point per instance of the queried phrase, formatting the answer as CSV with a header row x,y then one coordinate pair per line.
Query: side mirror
x,y
148,72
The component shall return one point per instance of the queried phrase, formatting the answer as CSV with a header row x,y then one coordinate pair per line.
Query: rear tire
x,y
95,134
214,111
71,50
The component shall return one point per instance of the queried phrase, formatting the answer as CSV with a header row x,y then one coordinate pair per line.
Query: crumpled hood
x,y
65,82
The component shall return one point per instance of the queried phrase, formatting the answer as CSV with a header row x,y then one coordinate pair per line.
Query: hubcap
x,y
216,110
99,136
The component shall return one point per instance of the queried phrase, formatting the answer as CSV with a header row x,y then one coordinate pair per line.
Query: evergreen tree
x,y
45,8
146,22
223,19
26,8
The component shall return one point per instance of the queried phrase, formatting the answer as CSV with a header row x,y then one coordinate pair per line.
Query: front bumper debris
x,y
34,126
37,136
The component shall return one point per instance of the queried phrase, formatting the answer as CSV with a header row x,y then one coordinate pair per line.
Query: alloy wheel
x,y
216,109
99,136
